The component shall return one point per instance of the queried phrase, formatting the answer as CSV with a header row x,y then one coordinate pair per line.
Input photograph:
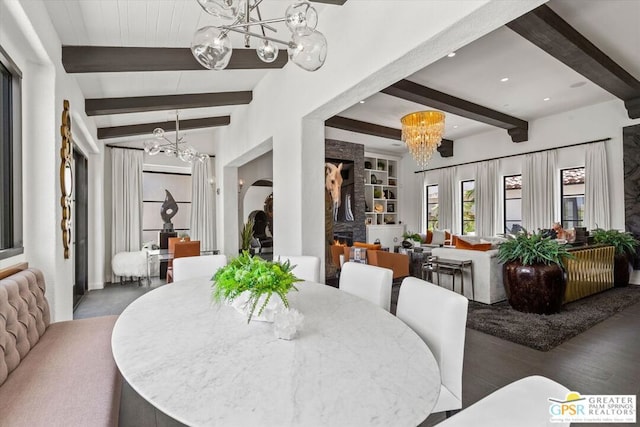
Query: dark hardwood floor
x,y
602,360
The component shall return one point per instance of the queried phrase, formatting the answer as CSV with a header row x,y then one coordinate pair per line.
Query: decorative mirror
x,y
66,178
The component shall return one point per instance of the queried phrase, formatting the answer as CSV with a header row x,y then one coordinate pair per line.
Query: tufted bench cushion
x,y
53,374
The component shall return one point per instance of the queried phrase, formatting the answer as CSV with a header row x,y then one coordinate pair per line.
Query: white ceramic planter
x,y
275,304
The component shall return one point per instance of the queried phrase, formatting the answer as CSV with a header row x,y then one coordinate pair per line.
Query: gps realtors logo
x,y
593,409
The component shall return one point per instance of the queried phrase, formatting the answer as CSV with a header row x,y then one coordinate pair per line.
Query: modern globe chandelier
x,y
422,132
212,48
162,144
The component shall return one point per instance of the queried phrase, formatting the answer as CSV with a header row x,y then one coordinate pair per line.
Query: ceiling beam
x,y
352,125
405,89
547,30
107,59
137,104
147,128
357,126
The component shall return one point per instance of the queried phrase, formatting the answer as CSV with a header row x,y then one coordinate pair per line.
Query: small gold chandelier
x,y
422,132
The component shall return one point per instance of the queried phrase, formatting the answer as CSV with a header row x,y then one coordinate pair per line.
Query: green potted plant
x,y
412,239
249,284
625,247
533,272
246,236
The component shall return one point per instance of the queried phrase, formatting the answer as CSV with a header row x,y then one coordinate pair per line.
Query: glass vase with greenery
x,y
410,235
257,279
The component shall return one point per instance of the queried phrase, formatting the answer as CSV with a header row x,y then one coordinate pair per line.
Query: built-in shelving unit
x,y
380,189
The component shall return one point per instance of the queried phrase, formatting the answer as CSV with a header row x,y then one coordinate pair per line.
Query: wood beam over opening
x,y
405,89
547,30
137,104
107,59
147,128
357,126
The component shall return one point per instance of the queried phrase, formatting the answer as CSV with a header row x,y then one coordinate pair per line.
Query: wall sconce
x,y
240,184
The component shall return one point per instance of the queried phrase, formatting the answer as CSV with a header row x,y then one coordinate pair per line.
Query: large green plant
x,y
533,249
247,234
258,277
624,242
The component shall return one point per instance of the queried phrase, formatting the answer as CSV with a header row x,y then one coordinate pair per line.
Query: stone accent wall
x,y
631,154
336,152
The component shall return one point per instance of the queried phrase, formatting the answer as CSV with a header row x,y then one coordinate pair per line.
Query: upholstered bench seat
x,y
58,374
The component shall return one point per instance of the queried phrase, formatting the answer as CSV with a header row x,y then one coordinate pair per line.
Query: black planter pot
x,y
621,270
534,288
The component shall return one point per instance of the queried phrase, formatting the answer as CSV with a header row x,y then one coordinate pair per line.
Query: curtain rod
x,y
141,149
516,155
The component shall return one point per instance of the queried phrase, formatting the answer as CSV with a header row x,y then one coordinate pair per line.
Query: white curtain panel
x,y
203,225
596,188
538,195
446,194
486,200
126,206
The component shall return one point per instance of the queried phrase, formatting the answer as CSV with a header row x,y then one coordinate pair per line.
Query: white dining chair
x,y
368,282
197,266
439,317
305,267
523,403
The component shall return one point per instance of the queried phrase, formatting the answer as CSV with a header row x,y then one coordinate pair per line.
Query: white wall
x,y
604,120
254,200
28,37
290,105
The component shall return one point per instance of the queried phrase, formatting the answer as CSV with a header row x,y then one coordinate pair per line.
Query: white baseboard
x,y
634,278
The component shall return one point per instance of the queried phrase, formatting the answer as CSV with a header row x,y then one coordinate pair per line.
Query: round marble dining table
x,y
352,364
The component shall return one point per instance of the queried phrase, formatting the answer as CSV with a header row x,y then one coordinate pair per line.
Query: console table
x,y
589,271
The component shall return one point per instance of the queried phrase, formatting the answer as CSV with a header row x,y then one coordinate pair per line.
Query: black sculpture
x,y
168,210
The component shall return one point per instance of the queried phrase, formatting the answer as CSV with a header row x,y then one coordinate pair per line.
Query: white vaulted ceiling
x,y
473,74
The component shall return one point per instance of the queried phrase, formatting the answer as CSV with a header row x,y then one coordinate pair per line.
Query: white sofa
x,y
487,274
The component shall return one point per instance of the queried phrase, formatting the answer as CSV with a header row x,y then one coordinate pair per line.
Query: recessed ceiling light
x,y
504,79
361,102
455,126
546,99
451,55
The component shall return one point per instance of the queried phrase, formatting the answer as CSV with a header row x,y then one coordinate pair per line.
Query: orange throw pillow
x,y
463,244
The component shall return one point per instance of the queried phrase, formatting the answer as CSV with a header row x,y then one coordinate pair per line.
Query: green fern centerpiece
x,y
255,279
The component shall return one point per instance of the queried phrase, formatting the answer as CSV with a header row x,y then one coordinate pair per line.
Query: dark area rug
x,y
544,332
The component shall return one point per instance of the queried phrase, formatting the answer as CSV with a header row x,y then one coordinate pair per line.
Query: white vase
x,y
242,304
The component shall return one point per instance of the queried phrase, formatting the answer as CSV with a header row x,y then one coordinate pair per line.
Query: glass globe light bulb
x,y
267,51
187,155
308,51
211,48
158,132
225,9
152,147
301,18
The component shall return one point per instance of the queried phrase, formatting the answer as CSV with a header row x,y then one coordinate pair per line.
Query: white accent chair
x,y
130,264
306,267
439,317
197,266
368,282
523,403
